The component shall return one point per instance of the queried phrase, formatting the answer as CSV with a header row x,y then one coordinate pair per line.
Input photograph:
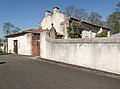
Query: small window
x,y
35,37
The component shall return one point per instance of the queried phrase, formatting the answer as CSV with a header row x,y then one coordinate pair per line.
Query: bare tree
x,y
75,12
95,18
9,28
69,10
80,14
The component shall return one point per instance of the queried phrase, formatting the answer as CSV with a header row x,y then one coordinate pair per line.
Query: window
x,y
35,37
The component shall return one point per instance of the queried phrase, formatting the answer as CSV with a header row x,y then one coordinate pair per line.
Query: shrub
x,y
102,34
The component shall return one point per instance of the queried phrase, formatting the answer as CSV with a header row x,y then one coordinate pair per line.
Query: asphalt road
x,y
22,72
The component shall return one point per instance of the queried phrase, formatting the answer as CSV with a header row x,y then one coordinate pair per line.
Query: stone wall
x,y
100,53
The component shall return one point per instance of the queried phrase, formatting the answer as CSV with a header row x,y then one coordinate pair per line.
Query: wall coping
x,y
84,40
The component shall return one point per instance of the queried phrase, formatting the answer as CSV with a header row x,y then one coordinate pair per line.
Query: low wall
x,y
101,54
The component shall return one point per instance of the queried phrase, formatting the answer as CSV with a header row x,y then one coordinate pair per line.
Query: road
x,y
24,72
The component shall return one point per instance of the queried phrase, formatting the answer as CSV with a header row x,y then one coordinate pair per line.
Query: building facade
x,y
25,43
58,19
61,23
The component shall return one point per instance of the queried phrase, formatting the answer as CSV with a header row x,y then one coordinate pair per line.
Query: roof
x,y
37,31
95,25
76,19
73,18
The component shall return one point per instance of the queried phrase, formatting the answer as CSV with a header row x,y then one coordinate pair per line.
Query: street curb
x,y
3,53
84,69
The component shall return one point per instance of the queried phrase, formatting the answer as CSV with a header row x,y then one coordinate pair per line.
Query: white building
x,y
25,42
58,19
61,22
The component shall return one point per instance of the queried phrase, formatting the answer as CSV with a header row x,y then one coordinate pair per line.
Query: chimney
x,y
48,13
55,9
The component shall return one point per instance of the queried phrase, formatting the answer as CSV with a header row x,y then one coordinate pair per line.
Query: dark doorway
x,y
15,46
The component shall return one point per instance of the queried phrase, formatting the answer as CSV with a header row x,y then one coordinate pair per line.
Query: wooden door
x,y
36,45
15,46
36,48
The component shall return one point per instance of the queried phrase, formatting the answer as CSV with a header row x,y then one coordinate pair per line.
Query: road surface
x,y
24,72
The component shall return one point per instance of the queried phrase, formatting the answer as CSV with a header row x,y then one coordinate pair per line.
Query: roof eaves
x,y
96,25
15,34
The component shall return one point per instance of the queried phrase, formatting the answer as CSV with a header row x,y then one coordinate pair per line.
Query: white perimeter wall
x,y
24,44
101,54
88,34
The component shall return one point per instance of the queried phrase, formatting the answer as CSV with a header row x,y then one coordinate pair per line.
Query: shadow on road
x,y
2,62
1,53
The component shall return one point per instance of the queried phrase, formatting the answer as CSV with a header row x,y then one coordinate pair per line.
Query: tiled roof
x,y
26,31
34,30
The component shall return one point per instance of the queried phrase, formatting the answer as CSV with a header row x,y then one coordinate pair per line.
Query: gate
x,y
36,45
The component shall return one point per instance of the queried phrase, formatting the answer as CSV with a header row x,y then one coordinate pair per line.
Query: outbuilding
x,y
25,43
